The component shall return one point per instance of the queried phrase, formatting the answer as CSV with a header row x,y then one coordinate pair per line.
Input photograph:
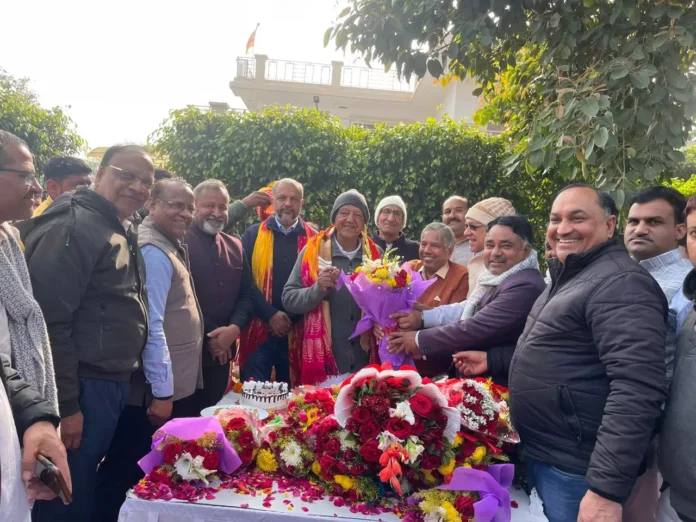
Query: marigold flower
x,y
265,460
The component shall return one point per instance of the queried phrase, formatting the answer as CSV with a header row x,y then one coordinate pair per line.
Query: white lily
x,y
386,439
190,468
403,411
414,449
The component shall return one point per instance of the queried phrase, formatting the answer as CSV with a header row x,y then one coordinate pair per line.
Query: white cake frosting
x,y
265,395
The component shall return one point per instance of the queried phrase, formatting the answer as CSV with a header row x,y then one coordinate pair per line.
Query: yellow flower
x,y
429,479
312,416
479,454
451,514
382,273
358,270
458,440
447,469
346,482
391,283
265,461
316,468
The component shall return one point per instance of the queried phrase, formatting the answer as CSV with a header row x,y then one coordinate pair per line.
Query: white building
x,y
357,95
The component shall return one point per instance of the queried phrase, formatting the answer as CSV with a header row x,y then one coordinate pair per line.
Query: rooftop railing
x,y
298,72
364,78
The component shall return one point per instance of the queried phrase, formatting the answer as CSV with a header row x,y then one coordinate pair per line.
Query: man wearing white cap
x,y
390,218
476,221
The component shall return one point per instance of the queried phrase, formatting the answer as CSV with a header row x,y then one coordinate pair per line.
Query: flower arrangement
x,y
436,505
289,435
381,288
403,427
483,407
240,428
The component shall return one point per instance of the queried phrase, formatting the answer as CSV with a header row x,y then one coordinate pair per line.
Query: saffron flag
x,y
252,39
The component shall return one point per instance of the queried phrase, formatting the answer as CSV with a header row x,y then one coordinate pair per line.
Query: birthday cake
x,y
265,395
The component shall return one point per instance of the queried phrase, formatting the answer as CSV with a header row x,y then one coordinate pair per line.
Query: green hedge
x,y
424,162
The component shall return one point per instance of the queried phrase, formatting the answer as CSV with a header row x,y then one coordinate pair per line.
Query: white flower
x,y
435,516
386,439
347,441
403,411
189,468
292,454
414,449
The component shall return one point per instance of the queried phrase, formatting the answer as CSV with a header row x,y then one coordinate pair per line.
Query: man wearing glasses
x,y
89,278
390,218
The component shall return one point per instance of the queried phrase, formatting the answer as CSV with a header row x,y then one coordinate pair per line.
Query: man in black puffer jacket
x,y
587,380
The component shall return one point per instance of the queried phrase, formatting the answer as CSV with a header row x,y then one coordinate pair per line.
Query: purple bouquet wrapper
x,y
378,302
191,429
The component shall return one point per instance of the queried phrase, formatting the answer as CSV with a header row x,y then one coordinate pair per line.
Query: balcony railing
x,y
246,67
299,72
364,78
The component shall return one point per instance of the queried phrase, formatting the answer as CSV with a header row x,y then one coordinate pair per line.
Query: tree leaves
x,y
435,68
640,79
590,107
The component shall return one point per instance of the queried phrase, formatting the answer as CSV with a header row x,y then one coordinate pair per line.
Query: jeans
x,y
561,492
273,352
101,403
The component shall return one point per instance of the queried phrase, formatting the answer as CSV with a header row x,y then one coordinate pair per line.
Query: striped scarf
x,y
256,333
317,360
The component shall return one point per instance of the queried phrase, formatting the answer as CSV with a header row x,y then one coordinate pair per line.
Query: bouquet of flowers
x,y
483,407
189,450
241,430
289,435
404,428
471,496
381,288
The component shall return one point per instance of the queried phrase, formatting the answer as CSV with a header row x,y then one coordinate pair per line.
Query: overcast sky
x,y
119,67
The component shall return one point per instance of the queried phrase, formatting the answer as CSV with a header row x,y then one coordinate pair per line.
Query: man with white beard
x,y
223,283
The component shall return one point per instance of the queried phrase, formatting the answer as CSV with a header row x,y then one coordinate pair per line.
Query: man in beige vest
x,y
172,356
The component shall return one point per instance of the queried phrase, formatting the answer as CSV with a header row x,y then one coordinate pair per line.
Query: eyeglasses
x,y
178,206
473,228
28,176
389,212
132,177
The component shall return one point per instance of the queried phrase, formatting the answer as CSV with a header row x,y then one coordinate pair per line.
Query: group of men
x,y
133,298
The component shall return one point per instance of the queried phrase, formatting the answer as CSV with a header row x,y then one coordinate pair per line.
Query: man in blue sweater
x,y
272,248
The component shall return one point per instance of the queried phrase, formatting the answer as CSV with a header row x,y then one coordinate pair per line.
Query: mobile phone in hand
x,y
52,478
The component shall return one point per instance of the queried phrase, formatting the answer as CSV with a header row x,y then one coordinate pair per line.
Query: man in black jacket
x,y
391,218
88,277
587,380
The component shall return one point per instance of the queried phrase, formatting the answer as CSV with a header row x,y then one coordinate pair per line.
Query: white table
x,y
227,507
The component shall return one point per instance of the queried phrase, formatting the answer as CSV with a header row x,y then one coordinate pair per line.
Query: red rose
x,y
292,406
160,476
333,446
370,451
172,452
464,506
361,415
421,405
354,275
327,407
395,382
245,438
455,397
310,397
349,455
193,448
327,463
369,431
211,460
399,427
430,461
418,428
356,471
236,424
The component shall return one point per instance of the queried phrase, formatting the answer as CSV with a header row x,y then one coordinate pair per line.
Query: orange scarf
x,y
317,362
256,333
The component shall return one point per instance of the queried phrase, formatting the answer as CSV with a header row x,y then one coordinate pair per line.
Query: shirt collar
x,y
442,273
349,255
668,258
284,230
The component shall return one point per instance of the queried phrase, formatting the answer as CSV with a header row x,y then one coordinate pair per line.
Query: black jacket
x,y
587,380
27,405
407,249
88,276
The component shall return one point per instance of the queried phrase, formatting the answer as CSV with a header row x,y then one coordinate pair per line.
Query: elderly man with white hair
x,y
391,218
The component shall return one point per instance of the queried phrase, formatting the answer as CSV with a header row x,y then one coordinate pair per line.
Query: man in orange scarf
x,y
273,247
330,315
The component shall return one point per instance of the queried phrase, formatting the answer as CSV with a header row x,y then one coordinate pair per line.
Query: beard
x,y
212,226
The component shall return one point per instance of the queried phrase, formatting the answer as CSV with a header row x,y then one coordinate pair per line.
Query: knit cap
x,y
350,197
489,209
391,200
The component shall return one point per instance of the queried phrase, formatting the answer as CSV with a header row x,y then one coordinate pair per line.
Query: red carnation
x,y
369,431
355,471
464,506
399,427
361,415
245,438
370,451
327,463
211,460
193,448
172,452
349,455
236,424
430,461
421,405
333,446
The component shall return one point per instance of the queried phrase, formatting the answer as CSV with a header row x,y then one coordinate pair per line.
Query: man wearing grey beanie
x,y
390,218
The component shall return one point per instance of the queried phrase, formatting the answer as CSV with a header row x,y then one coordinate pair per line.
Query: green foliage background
x,y
424,162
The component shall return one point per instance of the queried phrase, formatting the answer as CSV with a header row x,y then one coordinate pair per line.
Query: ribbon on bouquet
x,y
492,485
